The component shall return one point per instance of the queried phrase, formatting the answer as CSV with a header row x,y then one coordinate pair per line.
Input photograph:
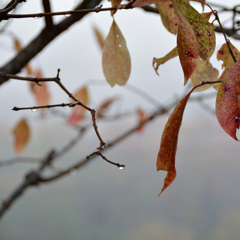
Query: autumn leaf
x,y
105,106
159,61
186,43
78,112
168,145
203,30
224,55
168,16
228,100
21,134
142,116
18,47
204,72
115,3
141,3
116,60
41,93
99,36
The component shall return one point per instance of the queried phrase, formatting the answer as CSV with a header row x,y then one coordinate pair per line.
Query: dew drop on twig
x,y
121,167
67,15
34,109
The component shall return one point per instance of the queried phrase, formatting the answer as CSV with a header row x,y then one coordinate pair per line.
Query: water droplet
x,y
119,45
236,118
121,167
67,15
34,109
117,35
37,17
73,171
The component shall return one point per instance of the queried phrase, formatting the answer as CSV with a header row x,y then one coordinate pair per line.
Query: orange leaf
x,y
41,93
168,146
78,112
142,116
17,44
99,36
168,16
21,134
228,101
116,60
105,106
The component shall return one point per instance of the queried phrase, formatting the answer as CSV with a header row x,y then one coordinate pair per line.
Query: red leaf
x,y
168,146
187,45
21,134
228,101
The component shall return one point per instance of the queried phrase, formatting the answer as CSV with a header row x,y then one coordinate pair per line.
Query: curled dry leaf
x,y
224,55
168,16
116,60
41,93
78,112
159,61
228,101
21,134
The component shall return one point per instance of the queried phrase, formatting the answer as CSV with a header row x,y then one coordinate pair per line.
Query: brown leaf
x,y
21,134
78,112
116,60
228,101
168,146
105,106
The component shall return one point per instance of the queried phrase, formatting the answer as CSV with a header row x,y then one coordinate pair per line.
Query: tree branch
x,y
47,8
16,64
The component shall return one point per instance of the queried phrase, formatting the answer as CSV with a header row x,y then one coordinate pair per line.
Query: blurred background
x,y
100,201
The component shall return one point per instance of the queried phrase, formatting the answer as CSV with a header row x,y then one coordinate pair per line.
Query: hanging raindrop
x,y
34,109
121,167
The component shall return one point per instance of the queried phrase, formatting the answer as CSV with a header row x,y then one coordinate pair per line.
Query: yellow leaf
x,y
116,60
78,112
21,134
99,36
